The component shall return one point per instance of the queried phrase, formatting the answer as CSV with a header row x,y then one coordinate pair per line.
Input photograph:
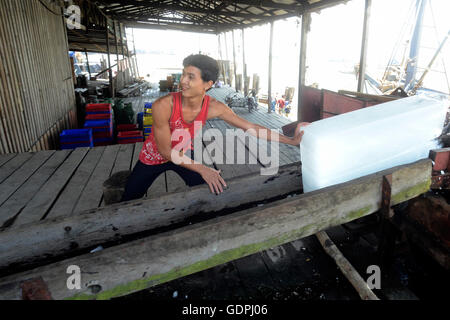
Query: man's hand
x,y
213,179
298,133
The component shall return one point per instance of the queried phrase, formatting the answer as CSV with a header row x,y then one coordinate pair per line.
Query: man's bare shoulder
x,y
163,105
216,108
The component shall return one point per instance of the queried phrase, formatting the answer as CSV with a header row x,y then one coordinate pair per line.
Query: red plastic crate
x,y
127,127
98,135
99,116
130,134
92,107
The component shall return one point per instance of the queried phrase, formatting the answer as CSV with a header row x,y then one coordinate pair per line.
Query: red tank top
x,y
149,154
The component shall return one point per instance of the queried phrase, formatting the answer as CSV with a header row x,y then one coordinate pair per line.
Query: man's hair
x,y
208,66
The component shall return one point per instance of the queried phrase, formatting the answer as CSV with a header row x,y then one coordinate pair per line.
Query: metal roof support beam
x,y
306,25
365,39
269,93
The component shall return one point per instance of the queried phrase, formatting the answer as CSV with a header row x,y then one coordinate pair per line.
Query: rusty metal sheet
x,y
334,104
35,289
441,159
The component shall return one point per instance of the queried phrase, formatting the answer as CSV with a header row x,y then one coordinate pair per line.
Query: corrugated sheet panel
x,y
37,98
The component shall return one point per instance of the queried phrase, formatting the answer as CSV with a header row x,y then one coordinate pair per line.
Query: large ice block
x,y
358,143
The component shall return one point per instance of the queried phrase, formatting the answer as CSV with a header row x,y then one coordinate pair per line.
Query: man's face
x,y
191,82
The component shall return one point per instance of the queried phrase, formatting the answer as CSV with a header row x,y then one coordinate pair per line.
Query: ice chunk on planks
x,y
358,143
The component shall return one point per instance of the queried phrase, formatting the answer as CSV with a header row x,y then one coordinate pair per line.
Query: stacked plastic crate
x,y
148,119
99,119
129,133
76,138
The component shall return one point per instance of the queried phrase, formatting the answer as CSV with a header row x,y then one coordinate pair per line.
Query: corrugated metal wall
x,y
37,99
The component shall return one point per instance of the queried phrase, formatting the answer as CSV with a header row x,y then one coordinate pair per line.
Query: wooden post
x,y
121,39
226,57
244,65
269,91
234,63
117,55
306,24
222,67
111,89
362,61
135,56
87,62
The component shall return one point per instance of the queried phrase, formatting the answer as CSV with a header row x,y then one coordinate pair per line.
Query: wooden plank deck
x,y
48,184
44,184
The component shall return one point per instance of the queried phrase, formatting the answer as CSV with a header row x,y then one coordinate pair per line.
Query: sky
x,y
333,48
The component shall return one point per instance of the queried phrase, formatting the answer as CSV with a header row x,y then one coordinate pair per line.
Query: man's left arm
x,y
221,111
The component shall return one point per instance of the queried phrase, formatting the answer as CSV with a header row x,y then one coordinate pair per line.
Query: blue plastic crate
x,y
140,120
97,123
74,135
103,139
77,145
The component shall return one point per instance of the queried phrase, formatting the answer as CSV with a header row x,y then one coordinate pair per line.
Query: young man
x,y
178,111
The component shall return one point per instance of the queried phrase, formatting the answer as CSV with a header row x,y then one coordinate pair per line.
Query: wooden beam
x,y
178,27
144,263
365,40
269,92
234,61
222,67
345,266
244,65
109,223
306,25
111,89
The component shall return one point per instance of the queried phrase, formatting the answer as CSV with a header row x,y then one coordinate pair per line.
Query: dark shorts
x,y
144,175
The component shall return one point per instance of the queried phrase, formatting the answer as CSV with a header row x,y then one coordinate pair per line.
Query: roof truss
x,y
212,16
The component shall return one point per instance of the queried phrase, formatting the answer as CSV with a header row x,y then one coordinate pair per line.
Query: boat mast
x,y
411,67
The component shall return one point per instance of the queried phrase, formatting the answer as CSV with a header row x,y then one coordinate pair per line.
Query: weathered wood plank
x,y
254,117
147,262
27,191
158,186
287,153
124,158
4,158
104,224
123,161
38,207
137,150
174,182
93,192
9,167
20,176
66,202
255,277
228,160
